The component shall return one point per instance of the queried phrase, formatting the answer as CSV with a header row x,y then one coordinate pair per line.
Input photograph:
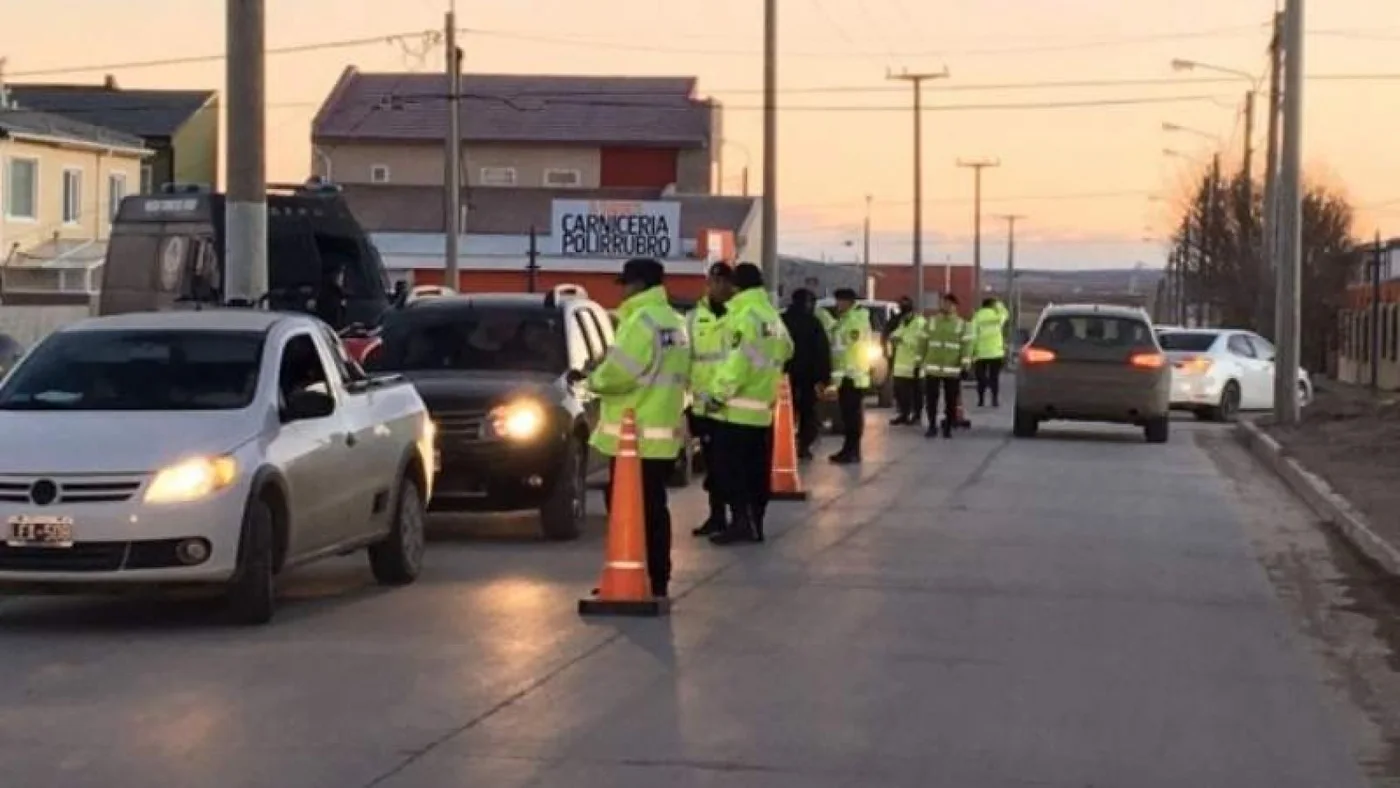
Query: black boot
x,y
932,431
710,527
947,428
741,530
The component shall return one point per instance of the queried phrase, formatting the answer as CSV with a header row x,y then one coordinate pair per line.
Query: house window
x,y
72,196
22,189
379,173
497,176
116,191
148,179
563,178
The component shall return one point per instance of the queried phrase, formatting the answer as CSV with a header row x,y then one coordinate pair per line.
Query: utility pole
x,y
1268,273
4,92
1010,299
865,256
452,202
245,211
917,81
533,267
977,167
770,145
1376,260
1290,211
1215,219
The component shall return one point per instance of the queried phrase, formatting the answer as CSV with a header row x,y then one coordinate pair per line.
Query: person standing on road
x,y
705,324
647,371
810,367
989,349
850,371
741,397
907,339
949,352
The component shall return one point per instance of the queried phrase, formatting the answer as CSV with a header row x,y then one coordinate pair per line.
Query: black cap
x,y
644,270
844,294
747,276
721,270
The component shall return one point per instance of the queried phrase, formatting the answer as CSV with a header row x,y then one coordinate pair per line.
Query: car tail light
x,y
1148,360
1037,355
1196,365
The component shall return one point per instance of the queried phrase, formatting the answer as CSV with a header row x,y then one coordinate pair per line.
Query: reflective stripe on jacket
x,y
706,329
851,344
647,370
909,342
988,325
949,346
746,383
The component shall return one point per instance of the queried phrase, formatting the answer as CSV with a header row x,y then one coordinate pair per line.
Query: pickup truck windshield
x,y
475,341
138,370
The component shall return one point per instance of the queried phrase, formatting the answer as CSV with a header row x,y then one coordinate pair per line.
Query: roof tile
x,y
143,113
518,108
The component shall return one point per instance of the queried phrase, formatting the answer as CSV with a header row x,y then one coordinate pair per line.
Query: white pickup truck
x,y
218,447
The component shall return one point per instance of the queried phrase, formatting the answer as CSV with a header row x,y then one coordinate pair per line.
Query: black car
x,y
493,369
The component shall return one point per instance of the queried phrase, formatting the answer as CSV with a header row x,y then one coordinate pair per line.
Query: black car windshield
x,y
142,370
482,340
1186,341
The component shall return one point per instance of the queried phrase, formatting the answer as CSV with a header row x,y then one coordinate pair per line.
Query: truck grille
x,y
460,425
71,489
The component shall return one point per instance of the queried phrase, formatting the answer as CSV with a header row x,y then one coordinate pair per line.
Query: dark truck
x,y
167,251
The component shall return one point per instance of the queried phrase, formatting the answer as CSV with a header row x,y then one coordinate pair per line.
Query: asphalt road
x,y
1082,609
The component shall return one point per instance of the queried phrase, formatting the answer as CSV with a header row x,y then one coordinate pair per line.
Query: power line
x,y
392,38
1072,196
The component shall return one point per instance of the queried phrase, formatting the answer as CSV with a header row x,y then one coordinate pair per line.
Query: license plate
x,y
32,531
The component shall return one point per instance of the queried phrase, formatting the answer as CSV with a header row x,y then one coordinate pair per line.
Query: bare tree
x,y
1225,279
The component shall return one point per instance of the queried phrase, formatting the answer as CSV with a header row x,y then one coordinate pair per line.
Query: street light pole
x,y
865,257
917,81
1290,205
1269,271
769,221
1010,299
977,167
452,181
245,212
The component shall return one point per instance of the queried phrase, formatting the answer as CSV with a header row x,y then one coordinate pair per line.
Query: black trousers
x,y
703,428
906,398
657,513
988,372
744,468
852,403
804,408
951,389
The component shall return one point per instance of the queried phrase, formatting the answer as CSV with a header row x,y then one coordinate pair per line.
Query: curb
x,y
1320,497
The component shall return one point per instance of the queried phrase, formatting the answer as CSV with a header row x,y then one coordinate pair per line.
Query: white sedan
x,y
1218,372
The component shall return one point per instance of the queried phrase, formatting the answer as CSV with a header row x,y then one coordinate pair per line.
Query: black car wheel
x,y
563,513
251,595
1229,406
398,559
1024,424
1157,430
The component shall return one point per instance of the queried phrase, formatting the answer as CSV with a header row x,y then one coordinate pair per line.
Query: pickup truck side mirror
x,y
305,405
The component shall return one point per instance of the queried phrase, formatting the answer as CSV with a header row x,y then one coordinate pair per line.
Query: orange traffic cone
x,y
625,589
784,483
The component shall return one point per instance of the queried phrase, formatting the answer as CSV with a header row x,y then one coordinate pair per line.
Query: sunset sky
x,y
1085,176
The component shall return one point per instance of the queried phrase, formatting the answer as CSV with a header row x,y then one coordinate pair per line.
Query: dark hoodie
x,y
811,355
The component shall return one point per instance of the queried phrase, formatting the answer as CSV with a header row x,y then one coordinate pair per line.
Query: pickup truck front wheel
x,y
397,560
563,513
251,595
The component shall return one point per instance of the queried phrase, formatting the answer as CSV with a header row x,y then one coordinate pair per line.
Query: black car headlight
x,y
519,420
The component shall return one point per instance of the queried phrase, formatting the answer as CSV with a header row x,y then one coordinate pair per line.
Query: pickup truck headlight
x,y
192,480
521,420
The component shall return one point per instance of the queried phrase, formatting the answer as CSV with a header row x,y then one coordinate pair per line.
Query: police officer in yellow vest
x,y
647,370
741,397
850,371
705,324
989,348
907,339
948,352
